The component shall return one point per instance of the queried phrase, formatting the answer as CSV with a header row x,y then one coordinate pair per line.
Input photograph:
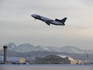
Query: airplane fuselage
x,y
47,20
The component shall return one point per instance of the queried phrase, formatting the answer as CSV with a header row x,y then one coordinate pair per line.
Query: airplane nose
x,y
32,15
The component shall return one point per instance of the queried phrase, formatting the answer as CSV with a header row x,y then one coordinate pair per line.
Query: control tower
x,y
5,53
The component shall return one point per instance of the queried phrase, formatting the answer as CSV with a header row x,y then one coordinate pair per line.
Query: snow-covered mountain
x,y
11,46
29,47
70,49
1,47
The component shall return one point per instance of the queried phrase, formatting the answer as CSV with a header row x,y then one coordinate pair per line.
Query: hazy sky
x,y
17,25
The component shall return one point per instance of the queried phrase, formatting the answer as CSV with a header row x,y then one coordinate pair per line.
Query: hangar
x,y
56,59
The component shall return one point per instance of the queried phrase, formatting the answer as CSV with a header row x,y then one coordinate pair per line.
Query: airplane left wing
x,y
48,22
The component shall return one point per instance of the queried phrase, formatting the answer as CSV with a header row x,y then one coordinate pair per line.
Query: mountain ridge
x,y
27,47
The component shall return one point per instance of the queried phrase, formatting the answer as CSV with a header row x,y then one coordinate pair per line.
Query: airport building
x,y
13,59
16,59
56,59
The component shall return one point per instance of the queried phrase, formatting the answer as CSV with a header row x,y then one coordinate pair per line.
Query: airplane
x,y
50,21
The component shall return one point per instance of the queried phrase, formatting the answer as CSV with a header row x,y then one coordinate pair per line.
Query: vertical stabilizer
x,y
64,19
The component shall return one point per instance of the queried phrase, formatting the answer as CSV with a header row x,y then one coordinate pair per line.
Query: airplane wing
x,y
48,22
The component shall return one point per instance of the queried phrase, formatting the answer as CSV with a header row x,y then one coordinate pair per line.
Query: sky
x,y
17,25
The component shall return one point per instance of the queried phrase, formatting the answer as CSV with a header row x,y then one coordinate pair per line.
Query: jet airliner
x,y
50,21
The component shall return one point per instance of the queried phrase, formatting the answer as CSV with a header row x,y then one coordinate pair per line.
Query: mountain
x,y
1,48
11,46
26,47
70,49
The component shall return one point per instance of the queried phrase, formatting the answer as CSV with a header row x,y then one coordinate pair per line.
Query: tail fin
x,y
63,20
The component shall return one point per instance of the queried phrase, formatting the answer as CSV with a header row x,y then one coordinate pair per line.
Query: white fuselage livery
x,y
49,21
